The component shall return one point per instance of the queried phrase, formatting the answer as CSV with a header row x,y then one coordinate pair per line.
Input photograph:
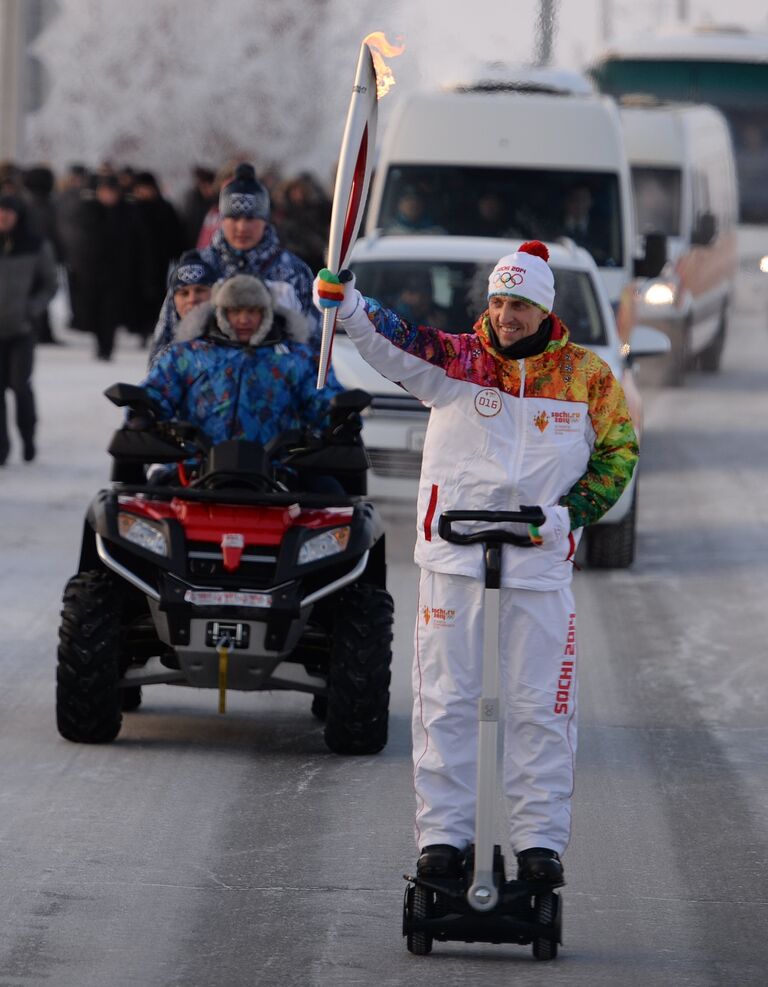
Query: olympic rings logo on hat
x,y
241,203
190,273
508,279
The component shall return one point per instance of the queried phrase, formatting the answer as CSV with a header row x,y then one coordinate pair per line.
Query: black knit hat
x,y
191,269
244,196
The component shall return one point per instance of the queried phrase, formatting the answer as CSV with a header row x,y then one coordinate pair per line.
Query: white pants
x,y
538,710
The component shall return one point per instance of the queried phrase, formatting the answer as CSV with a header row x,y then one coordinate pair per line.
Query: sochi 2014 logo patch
x,y
443,617
440,616
488,402
566,421
541,420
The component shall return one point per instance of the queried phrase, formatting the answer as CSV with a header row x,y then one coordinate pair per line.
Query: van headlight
x,y
321,546
764,264
659,293
150,536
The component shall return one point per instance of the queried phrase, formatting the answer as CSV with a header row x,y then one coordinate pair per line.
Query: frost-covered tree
x,y
164,84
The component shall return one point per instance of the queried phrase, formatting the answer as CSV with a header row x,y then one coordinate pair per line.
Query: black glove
x,y
345,432
139,423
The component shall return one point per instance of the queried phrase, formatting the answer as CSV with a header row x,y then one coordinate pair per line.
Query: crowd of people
x,y
121,246
116,234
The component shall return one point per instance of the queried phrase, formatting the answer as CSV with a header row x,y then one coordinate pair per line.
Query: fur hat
x,y
244,196
243,291
525,274
191,269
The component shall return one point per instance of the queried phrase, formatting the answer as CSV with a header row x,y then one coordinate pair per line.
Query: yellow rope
x,y
223,651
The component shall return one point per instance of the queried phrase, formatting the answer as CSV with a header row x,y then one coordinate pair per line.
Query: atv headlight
x,y
146,534
321,546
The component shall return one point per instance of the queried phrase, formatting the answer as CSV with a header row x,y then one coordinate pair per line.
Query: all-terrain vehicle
x,y
225,578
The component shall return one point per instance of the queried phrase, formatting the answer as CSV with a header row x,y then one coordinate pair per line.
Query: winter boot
x,y
539,864
439,860
29,449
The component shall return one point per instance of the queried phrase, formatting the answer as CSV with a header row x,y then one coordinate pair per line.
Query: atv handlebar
x,y
488,536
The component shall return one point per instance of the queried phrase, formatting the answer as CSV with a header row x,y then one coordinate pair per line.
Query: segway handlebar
x,y
489,536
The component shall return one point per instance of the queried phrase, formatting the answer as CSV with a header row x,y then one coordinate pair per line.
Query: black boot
x,y
439,860
29,450
539,864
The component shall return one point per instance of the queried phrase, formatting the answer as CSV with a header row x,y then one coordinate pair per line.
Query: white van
x,y
684,184
509,161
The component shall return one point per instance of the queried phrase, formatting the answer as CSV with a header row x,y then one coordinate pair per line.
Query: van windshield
x,y
450,295
506,202
657,200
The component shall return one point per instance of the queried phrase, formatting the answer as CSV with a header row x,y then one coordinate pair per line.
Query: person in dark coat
x,y
68,205
163,238
303,219
40,182
107,263
198,200
27,284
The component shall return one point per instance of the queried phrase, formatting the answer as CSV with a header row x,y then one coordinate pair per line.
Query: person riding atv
x,y
224,577
240,368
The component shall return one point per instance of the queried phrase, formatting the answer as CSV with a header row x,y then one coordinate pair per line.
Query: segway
x,y
480,905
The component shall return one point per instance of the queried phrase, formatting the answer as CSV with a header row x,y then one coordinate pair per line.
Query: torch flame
x,y
381,49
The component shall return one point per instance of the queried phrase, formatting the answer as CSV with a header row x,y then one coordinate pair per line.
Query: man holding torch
x,y
519,415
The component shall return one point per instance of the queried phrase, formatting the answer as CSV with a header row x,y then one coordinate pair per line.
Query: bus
x,y
724,66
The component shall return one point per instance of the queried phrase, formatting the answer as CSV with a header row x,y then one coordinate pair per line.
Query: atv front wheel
x,y
357,713
88,700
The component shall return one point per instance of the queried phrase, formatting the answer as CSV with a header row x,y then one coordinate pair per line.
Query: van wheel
x,y
709,358
612,546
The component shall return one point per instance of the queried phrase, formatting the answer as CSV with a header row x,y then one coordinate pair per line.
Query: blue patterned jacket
x,y
235,391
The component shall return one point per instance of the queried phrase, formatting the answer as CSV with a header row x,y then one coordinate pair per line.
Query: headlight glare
x,y
151,537
327,543
660,293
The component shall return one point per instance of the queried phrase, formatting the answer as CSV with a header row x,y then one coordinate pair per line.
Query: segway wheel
x,y
546,911
419,905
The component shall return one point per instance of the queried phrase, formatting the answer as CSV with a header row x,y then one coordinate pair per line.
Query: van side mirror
x,y
654,258
704,230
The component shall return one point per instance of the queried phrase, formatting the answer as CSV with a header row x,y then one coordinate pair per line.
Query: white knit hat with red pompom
x,y
526,275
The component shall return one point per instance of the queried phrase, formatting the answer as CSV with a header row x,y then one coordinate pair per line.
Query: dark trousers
x,y
97,315
16,362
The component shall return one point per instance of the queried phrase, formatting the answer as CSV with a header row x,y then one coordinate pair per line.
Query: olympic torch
x,y
354,170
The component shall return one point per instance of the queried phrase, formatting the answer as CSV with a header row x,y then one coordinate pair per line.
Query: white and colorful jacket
x,y
544,430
